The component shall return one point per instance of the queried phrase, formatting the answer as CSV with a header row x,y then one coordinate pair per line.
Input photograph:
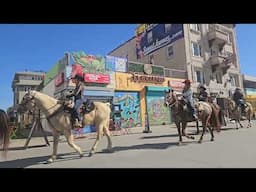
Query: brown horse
x,y
59,120
236,112
182,115
5,130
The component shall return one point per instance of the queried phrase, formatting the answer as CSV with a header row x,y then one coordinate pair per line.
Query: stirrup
x,y
77,124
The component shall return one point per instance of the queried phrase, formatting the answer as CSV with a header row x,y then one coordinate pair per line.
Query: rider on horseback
x,y
238,97
188,97
77,94
203,95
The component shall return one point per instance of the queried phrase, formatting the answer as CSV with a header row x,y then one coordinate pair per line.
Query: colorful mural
x,y
90,63
158,114
130,106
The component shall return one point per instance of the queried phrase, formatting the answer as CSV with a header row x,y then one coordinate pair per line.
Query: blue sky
x,y
40,46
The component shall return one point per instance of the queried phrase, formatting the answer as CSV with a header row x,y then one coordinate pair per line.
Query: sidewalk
x,y
39,140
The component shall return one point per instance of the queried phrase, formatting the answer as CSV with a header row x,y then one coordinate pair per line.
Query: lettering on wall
x,y
147,78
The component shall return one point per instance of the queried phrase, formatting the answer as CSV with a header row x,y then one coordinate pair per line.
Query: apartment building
x,y
23,82
204,53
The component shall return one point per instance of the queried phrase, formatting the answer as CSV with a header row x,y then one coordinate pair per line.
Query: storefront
x,y
157,113
98,94
141,94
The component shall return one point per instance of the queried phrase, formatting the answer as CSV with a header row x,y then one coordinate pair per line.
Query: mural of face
x,y
156,107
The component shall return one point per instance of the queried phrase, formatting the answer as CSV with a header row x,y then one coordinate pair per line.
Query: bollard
x,y
147,128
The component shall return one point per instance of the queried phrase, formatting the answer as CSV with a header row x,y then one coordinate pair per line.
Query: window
x,y
194,27
196,49
199,76
151,59
168,28
219,77
150,37
229,37
169,51
233,81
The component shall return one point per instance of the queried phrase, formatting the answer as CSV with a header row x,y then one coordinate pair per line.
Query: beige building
x,y
23,82
204,53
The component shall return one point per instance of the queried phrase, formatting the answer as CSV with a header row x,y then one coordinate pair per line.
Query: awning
x,y
99,92
154,88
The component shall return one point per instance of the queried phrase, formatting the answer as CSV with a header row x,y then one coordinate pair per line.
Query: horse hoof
x,y
49,161
90,154
212,139
200,141
81,155
192,137
179,143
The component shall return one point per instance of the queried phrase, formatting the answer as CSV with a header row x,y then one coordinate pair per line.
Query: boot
x,y
195,117
77,124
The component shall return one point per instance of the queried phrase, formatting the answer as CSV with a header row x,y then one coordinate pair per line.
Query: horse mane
x,y
4,131
37,93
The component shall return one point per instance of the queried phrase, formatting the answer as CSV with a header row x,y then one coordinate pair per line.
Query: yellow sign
x,y
124,81
140,29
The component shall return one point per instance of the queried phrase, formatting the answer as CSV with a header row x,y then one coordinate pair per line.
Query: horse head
x,y
170,98
27,103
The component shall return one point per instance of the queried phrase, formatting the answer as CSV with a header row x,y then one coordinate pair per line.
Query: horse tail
x,y
4,131
220,116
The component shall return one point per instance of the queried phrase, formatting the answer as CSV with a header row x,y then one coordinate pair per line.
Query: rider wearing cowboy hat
x,y
188,96
77,94
238,97
203,95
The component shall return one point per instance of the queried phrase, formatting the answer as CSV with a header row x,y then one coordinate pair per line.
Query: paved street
x,y
231,149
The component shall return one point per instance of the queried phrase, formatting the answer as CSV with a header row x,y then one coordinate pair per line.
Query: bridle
x,y
173,103
27,100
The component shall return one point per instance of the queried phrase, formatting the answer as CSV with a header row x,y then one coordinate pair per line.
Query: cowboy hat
x,y
78,77
202,87
187,81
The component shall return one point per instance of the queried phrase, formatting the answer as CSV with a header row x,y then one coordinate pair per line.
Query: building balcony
x,y
221,61
217,36
217,59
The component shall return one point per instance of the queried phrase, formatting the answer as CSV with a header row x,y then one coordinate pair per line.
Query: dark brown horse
x,y
180,113
5,130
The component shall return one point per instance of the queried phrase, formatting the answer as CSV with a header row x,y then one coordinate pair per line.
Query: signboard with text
x,y
96,78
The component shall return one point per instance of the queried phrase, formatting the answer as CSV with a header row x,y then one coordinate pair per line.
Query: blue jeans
x,y
76,112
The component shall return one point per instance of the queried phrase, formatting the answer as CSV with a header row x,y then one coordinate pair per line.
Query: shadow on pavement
x,y
148,146
26,162
170,135
23,148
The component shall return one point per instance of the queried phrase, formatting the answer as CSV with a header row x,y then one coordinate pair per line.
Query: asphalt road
x,y
231,149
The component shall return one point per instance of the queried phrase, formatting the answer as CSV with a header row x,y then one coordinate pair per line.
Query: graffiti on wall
x,y
90,63
157,112
130,106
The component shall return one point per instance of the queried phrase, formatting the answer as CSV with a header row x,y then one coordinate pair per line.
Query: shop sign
x,y
96,78
59,79
147,78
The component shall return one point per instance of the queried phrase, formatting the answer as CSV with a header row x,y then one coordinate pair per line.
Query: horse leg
x,y
205,122
179,131
197,127
56,136
70,140
99,136
106,132
211,131
184,124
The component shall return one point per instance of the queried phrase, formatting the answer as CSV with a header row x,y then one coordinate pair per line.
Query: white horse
x,y
60,120
236,112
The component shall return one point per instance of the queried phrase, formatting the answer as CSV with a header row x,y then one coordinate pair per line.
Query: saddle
x,y
68,107
87,106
